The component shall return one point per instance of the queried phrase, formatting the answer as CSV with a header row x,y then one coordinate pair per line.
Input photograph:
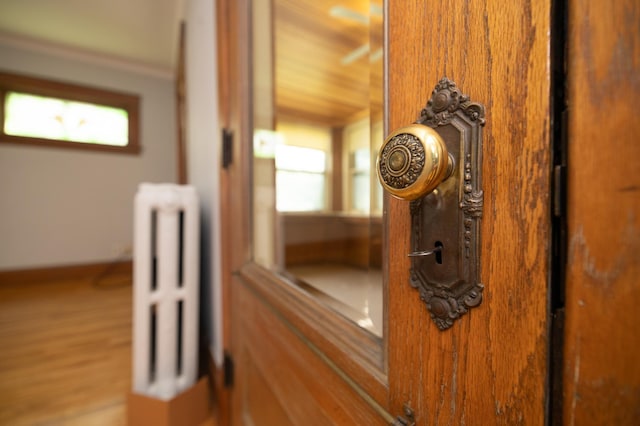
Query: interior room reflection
x,y
317,125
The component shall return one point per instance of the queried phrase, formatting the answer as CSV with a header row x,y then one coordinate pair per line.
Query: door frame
x,y
596,263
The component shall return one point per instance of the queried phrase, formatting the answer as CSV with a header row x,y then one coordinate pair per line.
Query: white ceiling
x,y
143,32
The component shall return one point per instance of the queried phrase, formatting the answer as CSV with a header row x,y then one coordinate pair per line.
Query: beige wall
x,y
66,207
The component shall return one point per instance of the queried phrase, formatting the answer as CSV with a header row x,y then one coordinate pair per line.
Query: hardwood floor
x,y
66,352
65,356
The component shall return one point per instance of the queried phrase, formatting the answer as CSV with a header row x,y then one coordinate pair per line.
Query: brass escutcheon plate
x,y
447,220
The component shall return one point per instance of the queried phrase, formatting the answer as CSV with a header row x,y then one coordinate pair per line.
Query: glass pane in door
x,y
318,123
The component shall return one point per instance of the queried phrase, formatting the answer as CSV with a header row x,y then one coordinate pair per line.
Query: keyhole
x,y
438,250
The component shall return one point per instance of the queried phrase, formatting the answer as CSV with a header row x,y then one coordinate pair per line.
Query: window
x,y
300,178
362,191
360,168
43,112
302,156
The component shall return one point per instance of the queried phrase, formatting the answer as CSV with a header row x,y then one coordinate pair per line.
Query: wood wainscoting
x,y
311,238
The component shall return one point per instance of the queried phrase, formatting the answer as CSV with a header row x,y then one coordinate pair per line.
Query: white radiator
x,y
165,280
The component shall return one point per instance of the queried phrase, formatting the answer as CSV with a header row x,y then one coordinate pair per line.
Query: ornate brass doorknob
x,y
413,161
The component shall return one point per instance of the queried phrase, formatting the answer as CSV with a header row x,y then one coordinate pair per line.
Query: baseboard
x,y
66,272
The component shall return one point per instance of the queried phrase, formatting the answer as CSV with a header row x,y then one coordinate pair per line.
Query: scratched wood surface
x,y
602,341
490,367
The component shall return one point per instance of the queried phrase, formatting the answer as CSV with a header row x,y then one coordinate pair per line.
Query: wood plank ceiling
x,y
312,40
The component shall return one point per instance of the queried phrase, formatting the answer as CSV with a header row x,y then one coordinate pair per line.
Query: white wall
x,y
203,156
67,207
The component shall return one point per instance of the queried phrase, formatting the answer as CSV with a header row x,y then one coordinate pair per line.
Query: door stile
x,y
490,366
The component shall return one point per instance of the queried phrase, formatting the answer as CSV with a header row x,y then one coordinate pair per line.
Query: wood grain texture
x,y
357,252
311,82
230,57
602,341
490,367
322,237
298,386
181,110
350,348
66,352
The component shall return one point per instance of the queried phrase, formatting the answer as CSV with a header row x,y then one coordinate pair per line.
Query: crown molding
x,y
93,58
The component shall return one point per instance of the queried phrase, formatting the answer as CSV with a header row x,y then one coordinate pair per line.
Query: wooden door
x,y
298,363
490,367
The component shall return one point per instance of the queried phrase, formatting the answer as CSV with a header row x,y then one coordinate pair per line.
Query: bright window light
x,y
59,119
300,159
361,175
300,178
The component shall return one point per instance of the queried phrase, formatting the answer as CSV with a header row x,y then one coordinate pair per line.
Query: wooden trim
x,y
73,92
181,111
336,168
233,25
353,350
66,272
356,353
41,142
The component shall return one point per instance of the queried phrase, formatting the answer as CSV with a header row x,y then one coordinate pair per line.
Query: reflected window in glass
x,y
317,206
